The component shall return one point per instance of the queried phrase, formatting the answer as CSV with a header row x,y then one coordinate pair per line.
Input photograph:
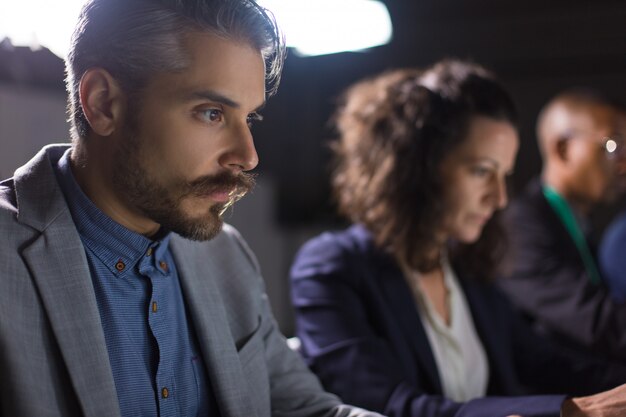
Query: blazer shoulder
x,y
530,205
9,214
334,251
8,201
13,233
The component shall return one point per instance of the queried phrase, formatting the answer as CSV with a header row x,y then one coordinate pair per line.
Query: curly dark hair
x,y
394,131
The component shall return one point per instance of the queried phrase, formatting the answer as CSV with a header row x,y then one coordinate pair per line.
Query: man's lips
x,y
219,194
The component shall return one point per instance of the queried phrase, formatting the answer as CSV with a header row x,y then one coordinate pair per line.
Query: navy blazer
x,y
362,335
548,281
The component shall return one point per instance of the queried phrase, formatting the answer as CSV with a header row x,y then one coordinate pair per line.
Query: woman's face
x,y
475,175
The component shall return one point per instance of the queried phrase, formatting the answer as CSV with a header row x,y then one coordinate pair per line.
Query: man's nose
x,y
240,155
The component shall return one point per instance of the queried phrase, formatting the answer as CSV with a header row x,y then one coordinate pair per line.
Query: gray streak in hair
x,y
135,39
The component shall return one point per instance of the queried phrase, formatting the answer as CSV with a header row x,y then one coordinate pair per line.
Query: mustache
x,y
237,185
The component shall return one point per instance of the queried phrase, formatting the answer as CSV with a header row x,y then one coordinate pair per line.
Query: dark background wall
x,y
536,47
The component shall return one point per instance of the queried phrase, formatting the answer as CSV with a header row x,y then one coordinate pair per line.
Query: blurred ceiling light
x,y
312,27
319,27
38,23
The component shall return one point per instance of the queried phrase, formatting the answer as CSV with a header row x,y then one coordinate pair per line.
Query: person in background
x,y
551,270
613,245
397,313
612,258
123,293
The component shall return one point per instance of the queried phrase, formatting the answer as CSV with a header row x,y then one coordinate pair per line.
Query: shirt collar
x,y
119,248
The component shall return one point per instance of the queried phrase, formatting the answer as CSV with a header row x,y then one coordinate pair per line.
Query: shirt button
x,y
165,392
163,265
120,265
154,307
149,252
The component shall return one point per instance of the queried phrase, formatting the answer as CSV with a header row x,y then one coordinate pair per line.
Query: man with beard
x,y
122,292
551,265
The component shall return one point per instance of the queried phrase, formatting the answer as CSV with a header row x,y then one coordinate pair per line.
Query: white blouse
x,y
458,351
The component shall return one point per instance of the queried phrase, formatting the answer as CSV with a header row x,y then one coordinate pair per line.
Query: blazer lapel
x,y
204,303
60,271
500,365
400,300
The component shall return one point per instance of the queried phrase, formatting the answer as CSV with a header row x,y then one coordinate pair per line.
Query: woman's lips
x,y
482,218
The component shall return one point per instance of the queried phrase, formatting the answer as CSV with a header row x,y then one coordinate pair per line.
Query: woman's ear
x,y
102,101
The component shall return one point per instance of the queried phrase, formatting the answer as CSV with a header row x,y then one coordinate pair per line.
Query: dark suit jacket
x,y
362,335
547,279
612,260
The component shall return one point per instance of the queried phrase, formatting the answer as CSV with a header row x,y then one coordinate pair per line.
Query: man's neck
x,y
561,186
94,181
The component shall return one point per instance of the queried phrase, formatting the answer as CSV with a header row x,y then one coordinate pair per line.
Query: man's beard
x,y
163,204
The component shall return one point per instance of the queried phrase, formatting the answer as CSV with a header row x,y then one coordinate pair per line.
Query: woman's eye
x,y
480,171
212,115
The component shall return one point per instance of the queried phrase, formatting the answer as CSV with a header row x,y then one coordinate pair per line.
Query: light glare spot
x,y
611,146
330,26
38,23
311,27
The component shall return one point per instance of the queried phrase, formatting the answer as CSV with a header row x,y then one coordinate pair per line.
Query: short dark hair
x,y
394,131
578,95
135,39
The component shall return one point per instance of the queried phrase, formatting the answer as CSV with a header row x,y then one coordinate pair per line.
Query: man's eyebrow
x,y
218,98
212,96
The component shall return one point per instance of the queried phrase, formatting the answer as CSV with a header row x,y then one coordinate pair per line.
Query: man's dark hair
x,y
135,39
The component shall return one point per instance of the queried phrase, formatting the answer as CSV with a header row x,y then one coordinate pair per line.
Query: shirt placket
x,y
159,313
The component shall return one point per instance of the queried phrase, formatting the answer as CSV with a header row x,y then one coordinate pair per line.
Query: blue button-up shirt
x,y
156,365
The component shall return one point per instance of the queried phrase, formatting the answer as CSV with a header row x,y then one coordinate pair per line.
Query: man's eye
x,y
212,115
253,118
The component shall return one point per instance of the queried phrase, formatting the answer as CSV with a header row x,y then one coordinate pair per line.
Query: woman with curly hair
x,y
397,313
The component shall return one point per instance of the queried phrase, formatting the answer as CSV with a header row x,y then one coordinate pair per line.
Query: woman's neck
x,y
431,285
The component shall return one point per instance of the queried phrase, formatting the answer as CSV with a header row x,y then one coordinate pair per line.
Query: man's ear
x,y
102,100
561,149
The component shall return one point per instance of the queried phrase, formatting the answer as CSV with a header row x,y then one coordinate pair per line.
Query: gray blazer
x,y
53,357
